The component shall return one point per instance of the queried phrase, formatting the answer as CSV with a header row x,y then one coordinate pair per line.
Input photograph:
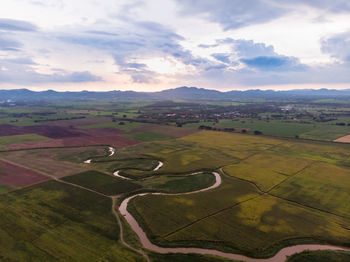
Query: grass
x,y
320,256
53,221
148,136
321,185
179,184
102,183
258,227
290,128
186,258
126,127
49,161
308,181
79,155
19,139
273,127
162,215
266,169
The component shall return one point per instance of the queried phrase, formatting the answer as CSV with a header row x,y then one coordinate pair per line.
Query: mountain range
x,y
180,93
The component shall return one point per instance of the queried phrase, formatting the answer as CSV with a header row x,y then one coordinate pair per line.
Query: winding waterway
x,y
280,256
111,151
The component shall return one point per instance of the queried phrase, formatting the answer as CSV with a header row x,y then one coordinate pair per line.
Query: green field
x,y
102,183
127,126
290,128
275,192
148,136
320,256
54,221
19,139
306,201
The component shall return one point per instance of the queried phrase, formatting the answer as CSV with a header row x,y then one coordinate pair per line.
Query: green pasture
x,y
19,139
320,256
102,183
57,222
145,136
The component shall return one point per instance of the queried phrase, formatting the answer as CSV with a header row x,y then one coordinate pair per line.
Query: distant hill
x,y
180,93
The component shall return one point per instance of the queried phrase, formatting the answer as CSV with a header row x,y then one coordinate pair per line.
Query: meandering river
x,y
279,257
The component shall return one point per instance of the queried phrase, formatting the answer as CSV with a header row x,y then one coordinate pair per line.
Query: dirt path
x,y
279,256
122,232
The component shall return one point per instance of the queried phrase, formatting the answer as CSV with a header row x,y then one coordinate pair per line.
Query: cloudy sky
x,y
158,44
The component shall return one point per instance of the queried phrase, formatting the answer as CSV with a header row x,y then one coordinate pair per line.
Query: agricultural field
x,y
13,176
53,221
5,141
267,209
102,183
275,191
320,256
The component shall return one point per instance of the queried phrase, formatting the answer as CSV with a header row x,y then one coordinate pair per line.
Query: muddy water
x,y
116,173
279,257
111,151
159,166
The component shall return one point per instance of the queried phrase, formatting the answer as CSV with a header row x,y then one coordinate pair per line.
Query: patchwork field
x,y
274,193
53,221
102,183
57,162
13,176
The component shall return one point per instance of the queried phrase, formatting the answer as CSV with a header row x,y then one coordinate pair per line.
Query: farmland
x,y
277,188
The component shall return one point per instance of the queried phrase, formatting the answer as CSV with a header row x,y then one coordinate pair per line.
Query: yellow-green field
x,y
275,193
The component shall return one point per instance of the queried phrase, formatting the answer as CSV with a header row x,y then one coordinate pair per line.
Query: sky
x,y
151,45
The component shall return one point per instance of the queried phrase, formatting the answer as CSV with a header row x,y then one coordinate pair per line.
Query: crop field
x,y
175,212
147,136
53,221
50,161
19,139
275,192
12,176
322,186
320,256
114,140
102,183
267,169
322,131
179,184
303,199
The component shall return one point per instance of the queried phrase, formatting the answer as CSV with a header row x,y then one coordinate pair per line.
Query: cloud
x,y
338,46
16,25
222,57
21,71
233,14
8,44
137,41
274,63
248,48
334,6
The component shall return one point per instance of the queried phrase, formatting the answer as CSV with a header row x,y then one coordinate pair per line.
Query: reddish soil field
x,y
98,132
167,130
343,139
48,131
78,122
12,175
113,140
